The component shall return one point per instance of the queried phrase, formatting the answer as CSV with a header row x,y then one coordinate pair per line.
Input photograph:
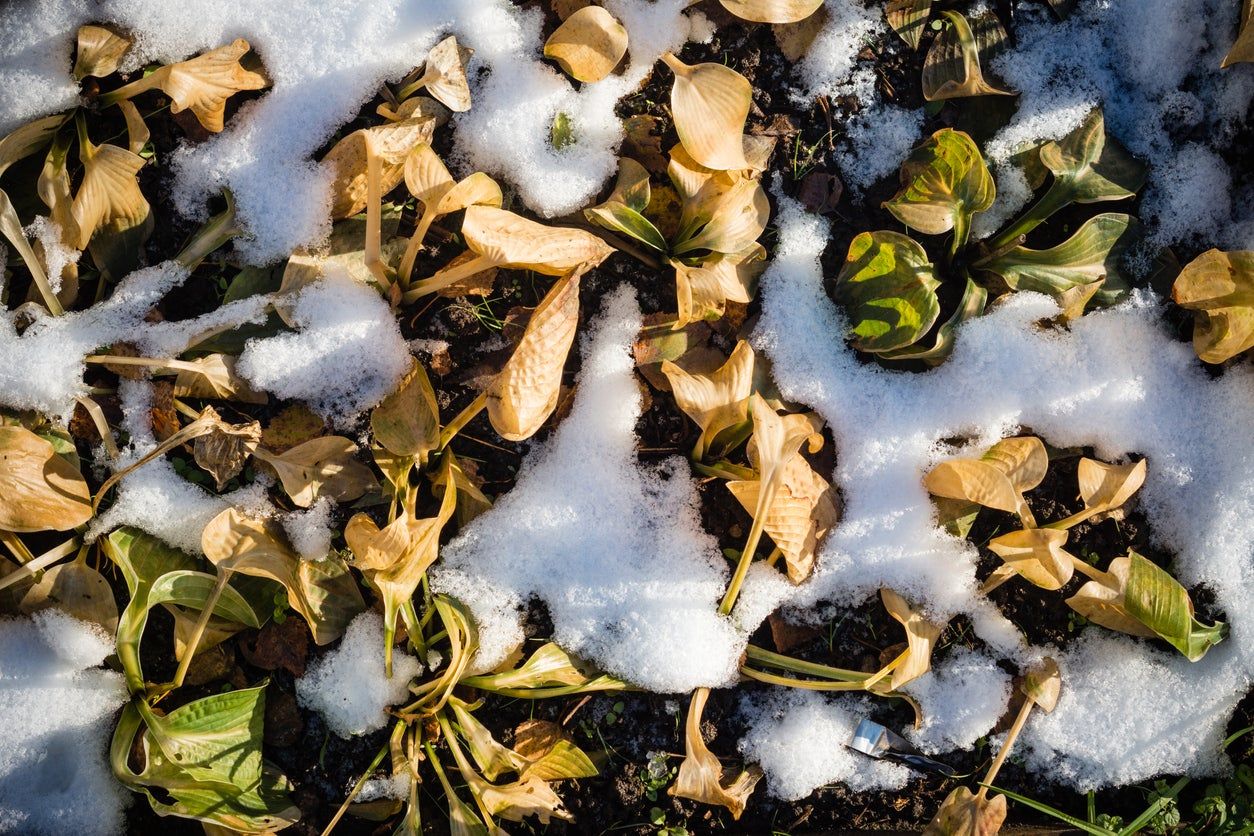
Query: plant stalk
x,y
452,428
995,767
447,276
751,545
361,782
219,229
198,632
1056,198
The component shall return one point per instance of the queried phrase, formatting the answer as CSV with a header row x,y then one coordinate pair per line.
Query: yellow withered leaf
x,y
391,144
588,45
214,376
29,138
710,103
100,51
39,490
1105,487
502,239
109,193
407,422
801,513
1219,288
701,774
1243,48
323,592
921,636
1102,601
973,480
77,589
1043,684
717,401
952,68
703,291
907,18
444,76
430,182
201,84
1037,554
524,394
772,11
320,467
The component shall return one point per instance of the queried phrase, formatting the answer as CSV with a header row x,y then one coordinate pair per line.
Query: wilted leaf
x,y
717,402
1105,487
29,138
137,133
201,84
723,211
998,479
392,144
709,103
888,289
39,490
1042,685
943,183
223,452
953,68
323,592
471,500
325,466
801,513
524,393
907,17
588,45
772,11
1243,48
444,76
703,291
109,193
394,558
1219,288
494,759
214,376
1037,554
100,51
701,774
794,39
430,182
1091,254
77,589
965,814
407,422
921,636
623,210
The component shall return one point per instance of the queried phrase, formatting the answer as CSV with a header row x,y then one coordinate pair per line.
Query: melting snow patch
x,y
347,686
615,549
56,711
962,697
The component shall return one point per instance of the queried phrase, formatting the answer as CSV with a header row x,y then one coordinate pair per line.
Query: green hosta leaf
x,y
1219,288
564,760
623,210
205,760
1158,601
974,298
1089,167
953,68
1092,253
907,18
562,133
943,183
889,291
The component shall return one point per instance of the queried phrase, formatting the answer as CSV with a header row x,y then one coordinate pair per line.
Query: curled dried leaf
x,y
100,51
907,18
325,466
430,182
772,11
444,76
1037,554
201,84
953,68
39,490
214,376
701,774
717,402
963,813
391,144
921,636
998,479
407,422
1243,48
524,394
710,103
109,193
703,291
223,451
588,45
1219,288
1042,684
77,589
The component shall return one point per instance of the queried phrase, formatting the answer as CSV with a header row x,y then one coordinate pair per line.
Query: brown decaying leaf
x,y
223,452
100,51
588,45
710,103
444,76
907,18
407,422
701,774
109,192
1037,554
703,291
39,490
392,143
921,636
772,11
963,813
214,376
320,467
523,395
201,84
1219,288
716,401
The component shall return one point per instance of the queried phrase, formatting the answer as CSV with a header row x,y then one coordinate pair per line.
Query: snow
x,y
962,697
348,687
56,716
345,357
614,549
56,256
309,529
799,739
1117,381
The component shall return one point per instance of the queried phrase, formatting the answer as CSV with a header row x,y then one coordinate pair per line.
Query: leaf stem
x,y
219,229
198,632
1056,198
995,767
448,276
751,545
361,782
37,564
463,418
789,663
